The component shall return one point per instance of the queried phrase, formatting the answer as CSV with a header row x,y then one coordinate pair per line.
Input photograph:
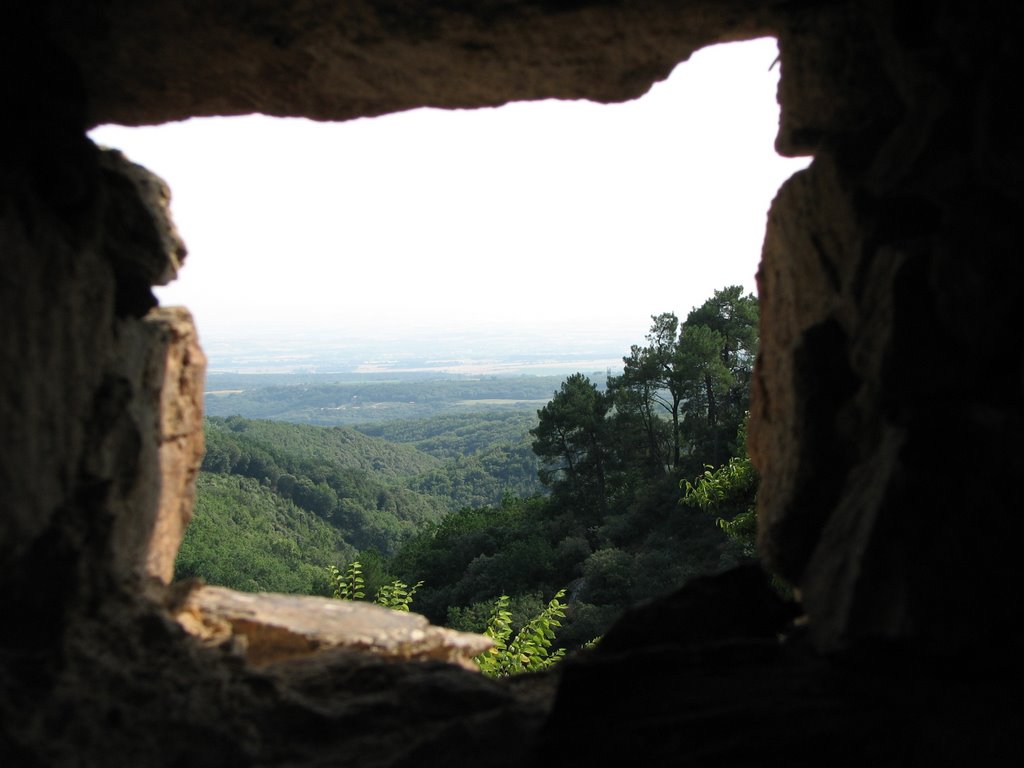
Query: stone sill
x,y
268,628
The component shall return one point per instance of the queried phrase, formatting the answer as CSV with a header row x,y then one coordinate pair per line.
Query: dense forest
x,y
270,490
619,488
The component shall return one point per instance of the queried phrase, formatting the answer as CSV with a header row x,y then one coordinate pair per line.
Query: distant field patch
x,y
501,401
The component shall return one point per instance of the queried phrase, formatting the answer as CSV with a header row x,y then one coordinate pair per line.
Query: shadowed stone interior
x,y
886,420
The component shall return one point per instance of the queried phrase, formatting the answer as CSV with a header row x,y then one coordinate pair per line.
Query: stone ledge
x,y
270,627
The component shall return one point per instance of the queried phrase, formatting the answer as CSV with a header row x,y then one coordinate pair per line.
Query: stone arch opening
x,y
725,100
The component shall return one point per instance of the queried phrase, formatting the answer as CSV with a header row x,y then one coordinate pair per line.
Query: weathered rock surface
x,y
336,61
884,398
178,374
140,236
272,627
738,604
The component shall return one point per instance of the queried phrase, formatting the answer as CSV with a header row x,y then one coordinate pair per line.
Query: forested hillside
x,y
614,527
348,479
488,454
247,537
458,434
267,487
585,493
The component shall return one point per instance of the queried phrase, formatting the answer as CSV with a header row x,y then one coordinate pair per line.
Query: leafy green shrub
x,y
476,616
397,595
609,575
350,585
530,649
731,489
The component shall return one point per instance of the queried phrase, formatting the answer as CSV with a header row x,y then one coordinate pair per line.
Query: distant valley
x,y
335,399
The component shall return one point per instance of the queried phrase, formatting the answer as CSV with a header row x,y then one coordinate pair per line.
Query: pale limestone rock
x,y
274,627
180,366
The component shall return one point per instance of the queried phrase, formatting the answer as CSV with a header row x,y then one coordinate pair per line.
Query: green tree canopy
x,y
655,374
697,374
725,326
570,437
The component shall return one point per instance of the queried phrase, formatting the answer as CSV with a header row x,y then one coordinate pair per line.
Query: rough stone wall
x,y
890,385
888,395
333,61
82,377
85,461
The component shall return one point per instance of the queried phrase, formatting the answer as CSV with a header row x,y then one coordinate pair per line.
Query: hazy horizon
x,y
464,352
539,219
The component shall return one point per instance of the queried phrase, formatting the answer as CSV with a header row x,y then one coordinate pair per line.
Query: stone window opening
x,y
265,628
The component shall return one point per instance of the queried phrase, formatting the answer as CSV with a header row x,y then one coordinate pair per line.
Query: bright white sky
x,y
565,214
